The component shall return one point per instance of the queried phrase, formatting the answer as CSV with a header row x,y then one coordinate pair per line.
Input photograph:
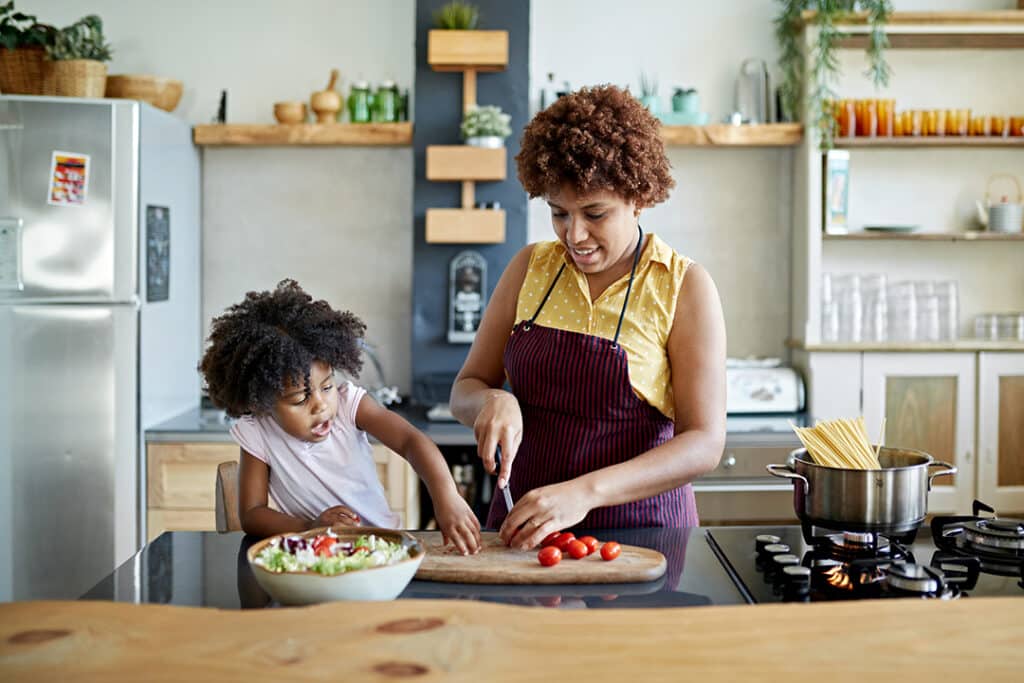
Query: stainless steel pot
x,y
891,500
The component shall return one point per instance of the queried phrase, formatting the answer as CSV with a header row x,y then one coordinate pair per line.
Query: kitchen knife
x,y
497,469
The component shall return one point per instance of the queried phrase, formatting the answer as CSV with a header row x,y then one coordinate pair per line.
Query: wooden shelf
x,y
276,134
726,135
465,226
1008,17
936,30
463,162
911,347
461,50
910,142
926,237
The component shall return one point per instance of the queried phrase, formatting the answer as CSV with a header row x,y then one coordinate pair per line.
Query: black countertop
x,y
207,569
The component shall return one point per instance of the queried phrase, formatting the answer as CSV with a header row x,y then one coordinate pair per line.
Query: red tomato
x,y
360,549
591,544
322,545
610,550
550,539
549,556
578,549
563,540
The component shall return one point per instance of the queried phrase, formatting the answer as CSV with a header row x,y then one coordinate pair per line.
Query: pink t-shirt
x,y
306,478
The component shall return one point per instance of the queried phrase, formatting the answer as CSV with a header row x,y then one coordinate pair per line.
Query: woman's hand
x,y
458,524
542,511
339,514
500,422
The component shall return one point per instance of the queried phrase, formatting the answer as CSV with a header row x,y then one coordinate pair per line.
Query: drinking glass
x,y
902,312
986,326
949,309
1011,326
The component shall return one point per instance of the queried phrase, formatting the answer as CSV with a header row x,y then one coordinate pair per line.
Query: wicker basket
x,y
24,71
79,78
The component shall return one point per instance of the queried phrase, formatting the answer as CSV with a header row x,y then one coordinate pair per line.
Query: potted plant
x,y
823,65
23,43
485,127
457,16
78,55
649,93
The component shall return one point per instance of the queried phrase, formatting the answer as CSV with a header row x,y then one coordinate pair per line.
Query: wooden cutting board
x,y
497,563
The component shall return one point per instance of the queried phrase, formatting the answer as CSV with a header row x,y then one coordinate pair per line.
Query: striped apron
x,y
580,414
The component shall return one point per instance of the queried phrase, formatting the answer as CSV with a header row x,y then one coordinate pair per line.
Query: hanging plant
x,y
822,62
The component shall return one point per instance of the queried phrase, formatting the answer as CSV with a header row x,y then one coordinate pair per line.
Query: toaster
x,y
760,389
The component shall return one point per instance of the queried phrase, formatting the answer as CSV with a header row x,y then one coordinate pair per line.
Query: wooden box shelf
x,y
459,50
465,226
275,134
463,162
726,135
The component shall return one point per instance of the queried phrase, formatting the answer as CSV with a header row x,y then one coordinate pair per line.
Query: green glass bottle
x,y
359,106
385,103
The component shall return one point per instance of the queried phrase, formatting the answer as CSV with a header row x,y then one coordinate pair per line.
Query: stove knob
x,y
765,539
779,563
764,558
796,584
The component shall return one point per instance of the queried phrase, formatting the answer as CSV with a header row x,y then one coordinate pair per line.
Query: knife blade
x,y
497,469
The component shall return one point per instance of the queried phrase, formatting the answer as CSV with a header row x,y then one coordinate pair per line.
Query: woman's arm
x,y
454,516
477,399
696,351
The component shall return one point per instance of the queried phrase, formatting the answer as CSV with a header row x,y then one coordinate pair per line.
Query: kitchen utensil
x,y
326,103
1003,216
290,112
164,93
496,563
892,500
374,583
497,470
752,92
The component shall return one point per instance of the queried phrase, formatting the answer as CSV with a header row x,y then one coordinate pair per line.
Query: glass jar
x,y
385,103
359,103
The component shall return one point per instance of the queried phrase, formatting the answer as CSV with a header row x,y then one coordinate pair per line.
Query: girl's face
x,y
599,230
307,415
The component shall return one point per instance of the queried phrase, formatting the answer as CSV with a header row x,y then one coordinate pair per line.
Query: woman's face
x,y
307,415
598,230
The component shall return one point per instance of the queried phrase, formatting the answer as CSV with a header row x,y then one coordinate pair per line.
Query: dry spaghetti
x,y
841,443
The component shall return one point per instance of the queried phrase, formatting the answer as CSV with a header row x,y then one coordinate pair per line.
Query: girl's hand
x,y
339,514
542,511
500,422
459,526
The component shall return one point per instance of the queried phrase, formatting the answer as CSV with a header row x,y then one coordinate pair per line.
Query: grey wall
x,y
438,112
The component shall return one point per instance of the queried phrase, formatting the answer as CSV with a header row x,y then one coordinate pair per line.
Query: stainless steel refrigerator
x,y
99,328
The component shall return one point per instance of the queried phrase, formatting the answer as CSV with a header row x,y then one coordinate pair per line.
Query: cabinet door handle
x,y
729,461
967,457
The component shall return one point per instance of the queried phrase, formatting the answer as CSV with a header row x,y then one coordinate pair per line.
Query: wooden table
x,y
973,639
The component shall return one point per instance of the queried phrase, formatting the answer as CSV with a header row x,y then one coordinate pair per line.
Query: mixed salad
x,y
329,555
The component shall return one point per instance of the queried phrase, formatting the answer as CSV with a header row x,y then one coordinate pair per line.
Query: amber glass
x,y
911,123
958,121
998,126
867,118
846,118
886,114
1017,126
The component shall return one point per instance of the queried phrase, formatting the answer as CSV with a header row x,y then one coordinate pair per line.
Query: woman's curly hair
x,y
598,138
271,339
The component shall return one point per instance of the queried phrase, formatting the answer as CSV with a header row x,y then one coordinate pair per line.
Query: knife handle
x,y
497,460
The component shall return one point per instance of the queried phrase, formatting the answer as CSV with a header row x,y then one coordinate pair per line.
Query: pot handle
x,y
950,470
784,472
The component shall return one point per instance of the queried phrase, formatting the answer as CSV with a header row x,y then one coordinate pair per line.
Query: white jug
x,y
1004,215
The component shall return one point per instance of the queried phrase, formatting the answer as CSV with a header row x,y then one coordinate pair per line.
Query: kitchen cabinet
x,y
1001,430
966,408
182,476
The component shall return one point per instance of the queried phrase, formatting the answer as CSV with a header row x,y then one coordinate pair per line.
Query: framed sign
x,y
467,284
836,201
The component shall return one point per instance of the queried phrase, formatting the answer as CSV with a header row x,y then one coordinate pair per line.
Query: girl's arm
x,y
457,521
259,519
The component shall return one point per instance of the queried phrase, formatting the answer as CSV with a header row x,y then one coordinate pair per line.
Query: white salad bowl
x,y
385,582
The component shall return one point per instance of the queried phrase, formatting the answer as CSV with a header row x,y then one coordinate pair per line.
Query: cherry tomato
x,y
578,549
322,546
564,539
591,544
549,556
610,550
550,539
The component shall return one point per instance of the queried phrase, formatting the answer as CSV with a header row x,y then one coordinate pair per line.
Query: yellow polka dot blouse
x,y
649,316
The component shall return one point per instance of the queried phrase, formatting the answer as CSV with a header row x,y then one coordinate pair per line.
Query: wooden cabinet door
x,y
927,400
401,485
1001,431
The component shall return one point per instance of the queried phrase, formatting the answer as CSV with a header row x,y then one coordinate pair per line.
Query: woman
x,y
613,344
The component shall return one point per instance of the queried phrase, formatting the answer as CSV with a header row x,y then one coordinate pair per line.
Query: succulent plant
x,y
81,40
485,122
457,15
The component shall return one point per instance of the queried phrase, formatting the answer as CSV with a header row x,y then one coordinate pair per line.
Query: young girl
x,y
271,362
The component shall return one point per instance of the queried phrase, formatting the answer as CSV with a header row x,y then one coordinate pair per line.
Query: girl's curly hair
x,y
271,339
598,138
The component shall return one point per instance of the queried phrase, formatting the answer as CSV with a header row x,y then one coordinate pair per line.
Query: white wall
x,y
338,220
731,209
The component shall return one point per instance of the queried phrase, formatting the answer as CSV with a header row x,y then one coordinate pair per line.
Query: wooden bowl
x,y
164,93
373,583
290,112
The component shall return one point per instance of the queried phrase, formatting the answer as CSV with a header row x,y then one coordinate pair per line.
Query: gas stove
x,y
965,556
